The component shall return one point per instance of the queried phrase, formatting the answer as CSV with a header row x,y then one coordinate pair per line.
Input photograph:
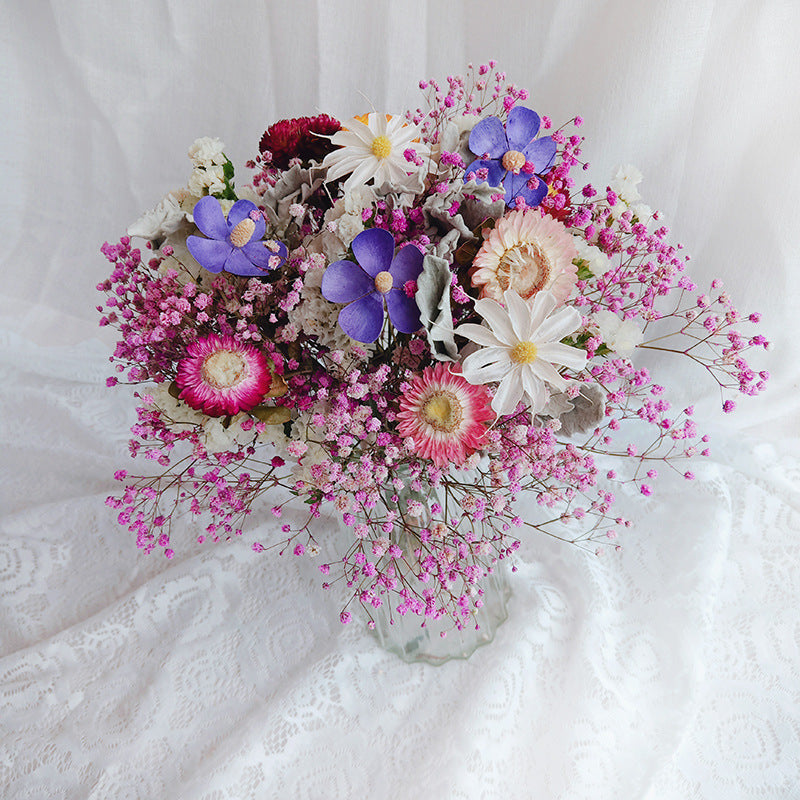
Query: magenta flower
x,y
220,376
512,155
379,277
235,245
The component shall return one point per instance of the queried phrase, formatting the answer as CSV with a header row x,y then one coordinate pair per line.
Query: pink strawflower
x,y
221,376
443,416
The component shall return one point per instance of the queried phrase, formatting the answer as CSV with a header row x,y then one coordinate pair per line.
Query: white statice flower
x,y
160,221
215,437
219,438
373,150
207,180
625,182
521,345
643,214
622,336
618,209
596,260
207,151
348,226
175,410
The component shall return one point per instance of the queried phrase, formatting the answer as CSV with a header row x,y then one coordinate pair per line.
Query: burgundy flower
x,y
301,138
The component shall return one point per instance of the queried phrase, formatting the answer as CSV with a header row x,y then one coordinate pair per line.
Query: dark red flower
x,y
295,138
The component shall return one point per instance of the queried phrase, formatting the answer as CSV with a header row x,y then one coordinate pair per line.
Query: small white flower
x,y
160,221
625,182
211,178
207,151
643,214
521,345
622,336
350,225
596,260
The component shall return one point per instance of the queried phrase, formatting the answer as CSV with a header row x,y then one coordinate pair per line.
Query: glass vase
x,y
415,638
422,639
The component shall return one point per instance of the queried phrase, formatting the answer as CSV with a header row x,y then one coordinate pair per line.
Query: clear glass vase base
x,y
407,638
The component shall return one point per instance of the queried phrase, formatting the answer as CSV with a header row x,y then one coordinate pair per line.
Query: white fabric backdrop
x,y
669,671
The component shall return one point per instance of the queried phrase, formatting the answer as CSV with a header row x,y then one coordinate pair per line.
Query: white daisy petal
x,y
488,374
535,390
485,356
520,315
543,304
361,174
562,354
547,372
508,393
561,324
479,334
498,320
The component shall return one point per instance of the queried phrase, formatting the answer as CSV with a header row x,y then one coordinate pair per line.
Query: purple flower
x,y
380,276
512,155
234,245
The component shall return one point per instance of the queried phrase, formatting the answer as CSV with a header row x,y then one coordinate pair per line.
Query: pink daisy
x,y
221,376
444,416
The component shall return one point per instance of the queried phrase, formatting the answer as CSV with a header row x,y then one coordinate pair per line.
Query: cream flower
x,y
626,181
596,260
622,336
521,345
206,151
526,253
375,151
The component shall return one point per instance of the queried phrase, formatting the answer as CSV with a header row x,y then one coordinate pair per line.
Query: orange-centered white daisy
x,y
521,345
526,253
443,417
375,150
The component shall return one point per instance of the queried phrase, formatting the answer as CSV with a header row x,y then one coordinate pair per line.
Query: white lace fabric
x,y
670,670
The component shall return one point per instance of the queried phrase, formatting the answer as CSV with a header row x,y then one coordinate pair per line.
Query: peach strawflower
x,y
444,417
527,253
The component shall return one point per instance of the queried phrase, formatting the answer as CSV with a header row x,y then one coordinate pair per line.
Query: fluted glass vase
x,y
415,638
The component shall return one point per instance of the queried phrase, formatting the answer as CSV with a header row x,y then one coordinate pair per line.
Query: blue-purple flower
x,y
512,155
234,244
380,277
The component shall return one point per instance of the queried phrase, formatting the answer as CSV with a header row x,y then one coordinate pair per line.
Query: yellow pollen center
x,y
241,234
443,411
524,352
381,147
224,369
513,161
384,281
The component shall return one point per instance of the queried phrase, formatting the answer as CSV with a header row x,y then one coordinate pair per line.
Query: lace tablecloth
x,y
670,670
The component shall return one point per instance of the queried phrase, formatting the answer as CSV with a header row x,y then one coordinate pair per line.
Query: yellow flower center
x,y
224,369
384,281
524,352
443,411
381,147
513,161
241,234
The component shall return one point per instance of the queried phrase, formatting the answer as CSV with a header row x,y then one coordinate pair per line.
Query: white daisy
x,y
520,347
375,151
